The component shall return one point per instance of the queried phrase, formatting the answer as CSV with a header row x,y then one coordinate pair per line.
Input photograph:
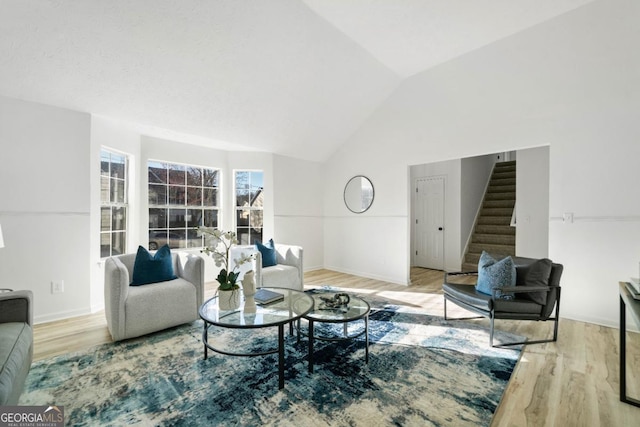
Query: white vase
x,y
249,284
229,300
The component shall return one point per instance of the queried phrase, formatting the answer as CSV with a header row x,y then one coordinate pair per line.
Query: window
x,y
113,203
181,198
249,206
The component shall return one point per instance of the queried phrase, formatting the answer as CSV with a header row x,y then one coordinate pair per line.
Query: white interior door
x,y
429,227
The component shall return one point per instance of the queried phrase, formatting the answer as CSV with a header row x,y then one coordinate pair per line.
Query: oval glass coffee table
x,y
253,316
354,310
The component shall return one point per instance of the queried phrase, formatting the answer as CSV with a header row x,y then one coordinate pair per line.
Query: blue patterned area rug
x,y
422,371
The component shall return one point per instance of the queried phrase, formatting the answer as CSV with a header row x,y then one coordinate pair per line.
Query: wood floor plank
x,y
572,382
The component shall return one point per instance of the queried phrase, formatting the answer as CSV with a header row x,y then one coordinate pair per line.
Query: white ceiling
x,y
410,36
293,77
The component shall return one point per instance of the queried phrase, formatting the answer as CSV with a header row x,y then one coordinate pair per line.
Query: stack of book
x,y
635,284
265,296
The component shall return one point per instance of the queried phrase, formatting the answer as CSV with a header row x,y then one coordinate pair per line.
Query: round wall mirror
x,y
358,194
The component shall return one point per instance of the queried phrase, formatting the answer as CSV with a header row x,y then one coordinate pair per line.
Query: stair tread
x,y
503,180
490,235
503,174
500,203
501,185
495,229
492,248
494,239
496,212
503,195
494,220
502,189
509,164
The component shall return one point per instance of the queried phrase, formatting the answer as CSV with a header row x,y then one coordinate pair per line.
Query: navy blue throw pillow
x,y
268,252
494,274
149,268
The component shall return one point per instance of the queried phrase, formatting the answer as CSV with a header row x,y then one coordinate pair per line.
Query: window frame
x,y
250,208
180,194
113,205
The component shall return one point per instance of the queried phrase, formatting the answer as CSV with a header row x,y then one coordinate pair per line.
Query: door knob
x,y
439,228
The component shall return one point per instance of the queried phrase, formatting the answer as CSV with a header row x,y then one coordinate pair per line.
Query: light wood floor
x,y
572,382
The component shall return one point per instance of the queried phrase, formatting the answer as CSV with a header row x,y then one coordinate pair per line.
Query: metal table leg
x,y
310,346
366,338
280,357
205,340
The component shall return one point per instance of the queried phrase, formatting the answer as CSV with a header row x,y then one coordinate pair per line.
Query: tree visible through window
x,y
113,203
181,198
249,206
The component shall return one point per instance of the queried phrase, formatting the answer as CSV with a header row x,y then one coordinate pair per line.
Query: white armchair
x,y
287,273
132,311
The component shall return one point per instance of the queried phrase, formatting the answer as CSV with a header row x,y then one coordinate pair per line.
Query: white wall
x,y
50,199
567,83
298,199
118,136
172,151
44,205
375,243
532,207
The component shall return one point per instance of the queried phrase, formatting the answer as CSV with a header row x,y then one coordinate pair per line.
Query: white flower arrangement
x,y
218,245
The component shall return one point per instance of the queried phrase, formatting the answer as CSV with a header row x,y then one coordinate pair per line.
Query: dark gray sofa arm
x,y
16,306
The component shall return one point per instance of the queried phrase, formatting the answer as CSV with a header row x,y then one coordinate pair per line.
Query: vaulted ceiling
x,y
293,77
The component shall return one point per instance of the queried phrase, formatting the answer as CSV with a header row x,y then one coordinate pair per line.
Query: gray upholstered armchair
x,y
537,296
288,273
132,311
16,343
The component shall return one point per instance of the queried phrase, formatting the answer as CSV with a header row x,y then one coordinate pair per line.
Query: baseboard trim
x,y
61,315
602,322
97,308
394,280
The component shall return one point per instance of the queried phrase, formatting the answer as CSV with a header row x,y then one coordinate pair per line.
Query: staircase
x,y
493,232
